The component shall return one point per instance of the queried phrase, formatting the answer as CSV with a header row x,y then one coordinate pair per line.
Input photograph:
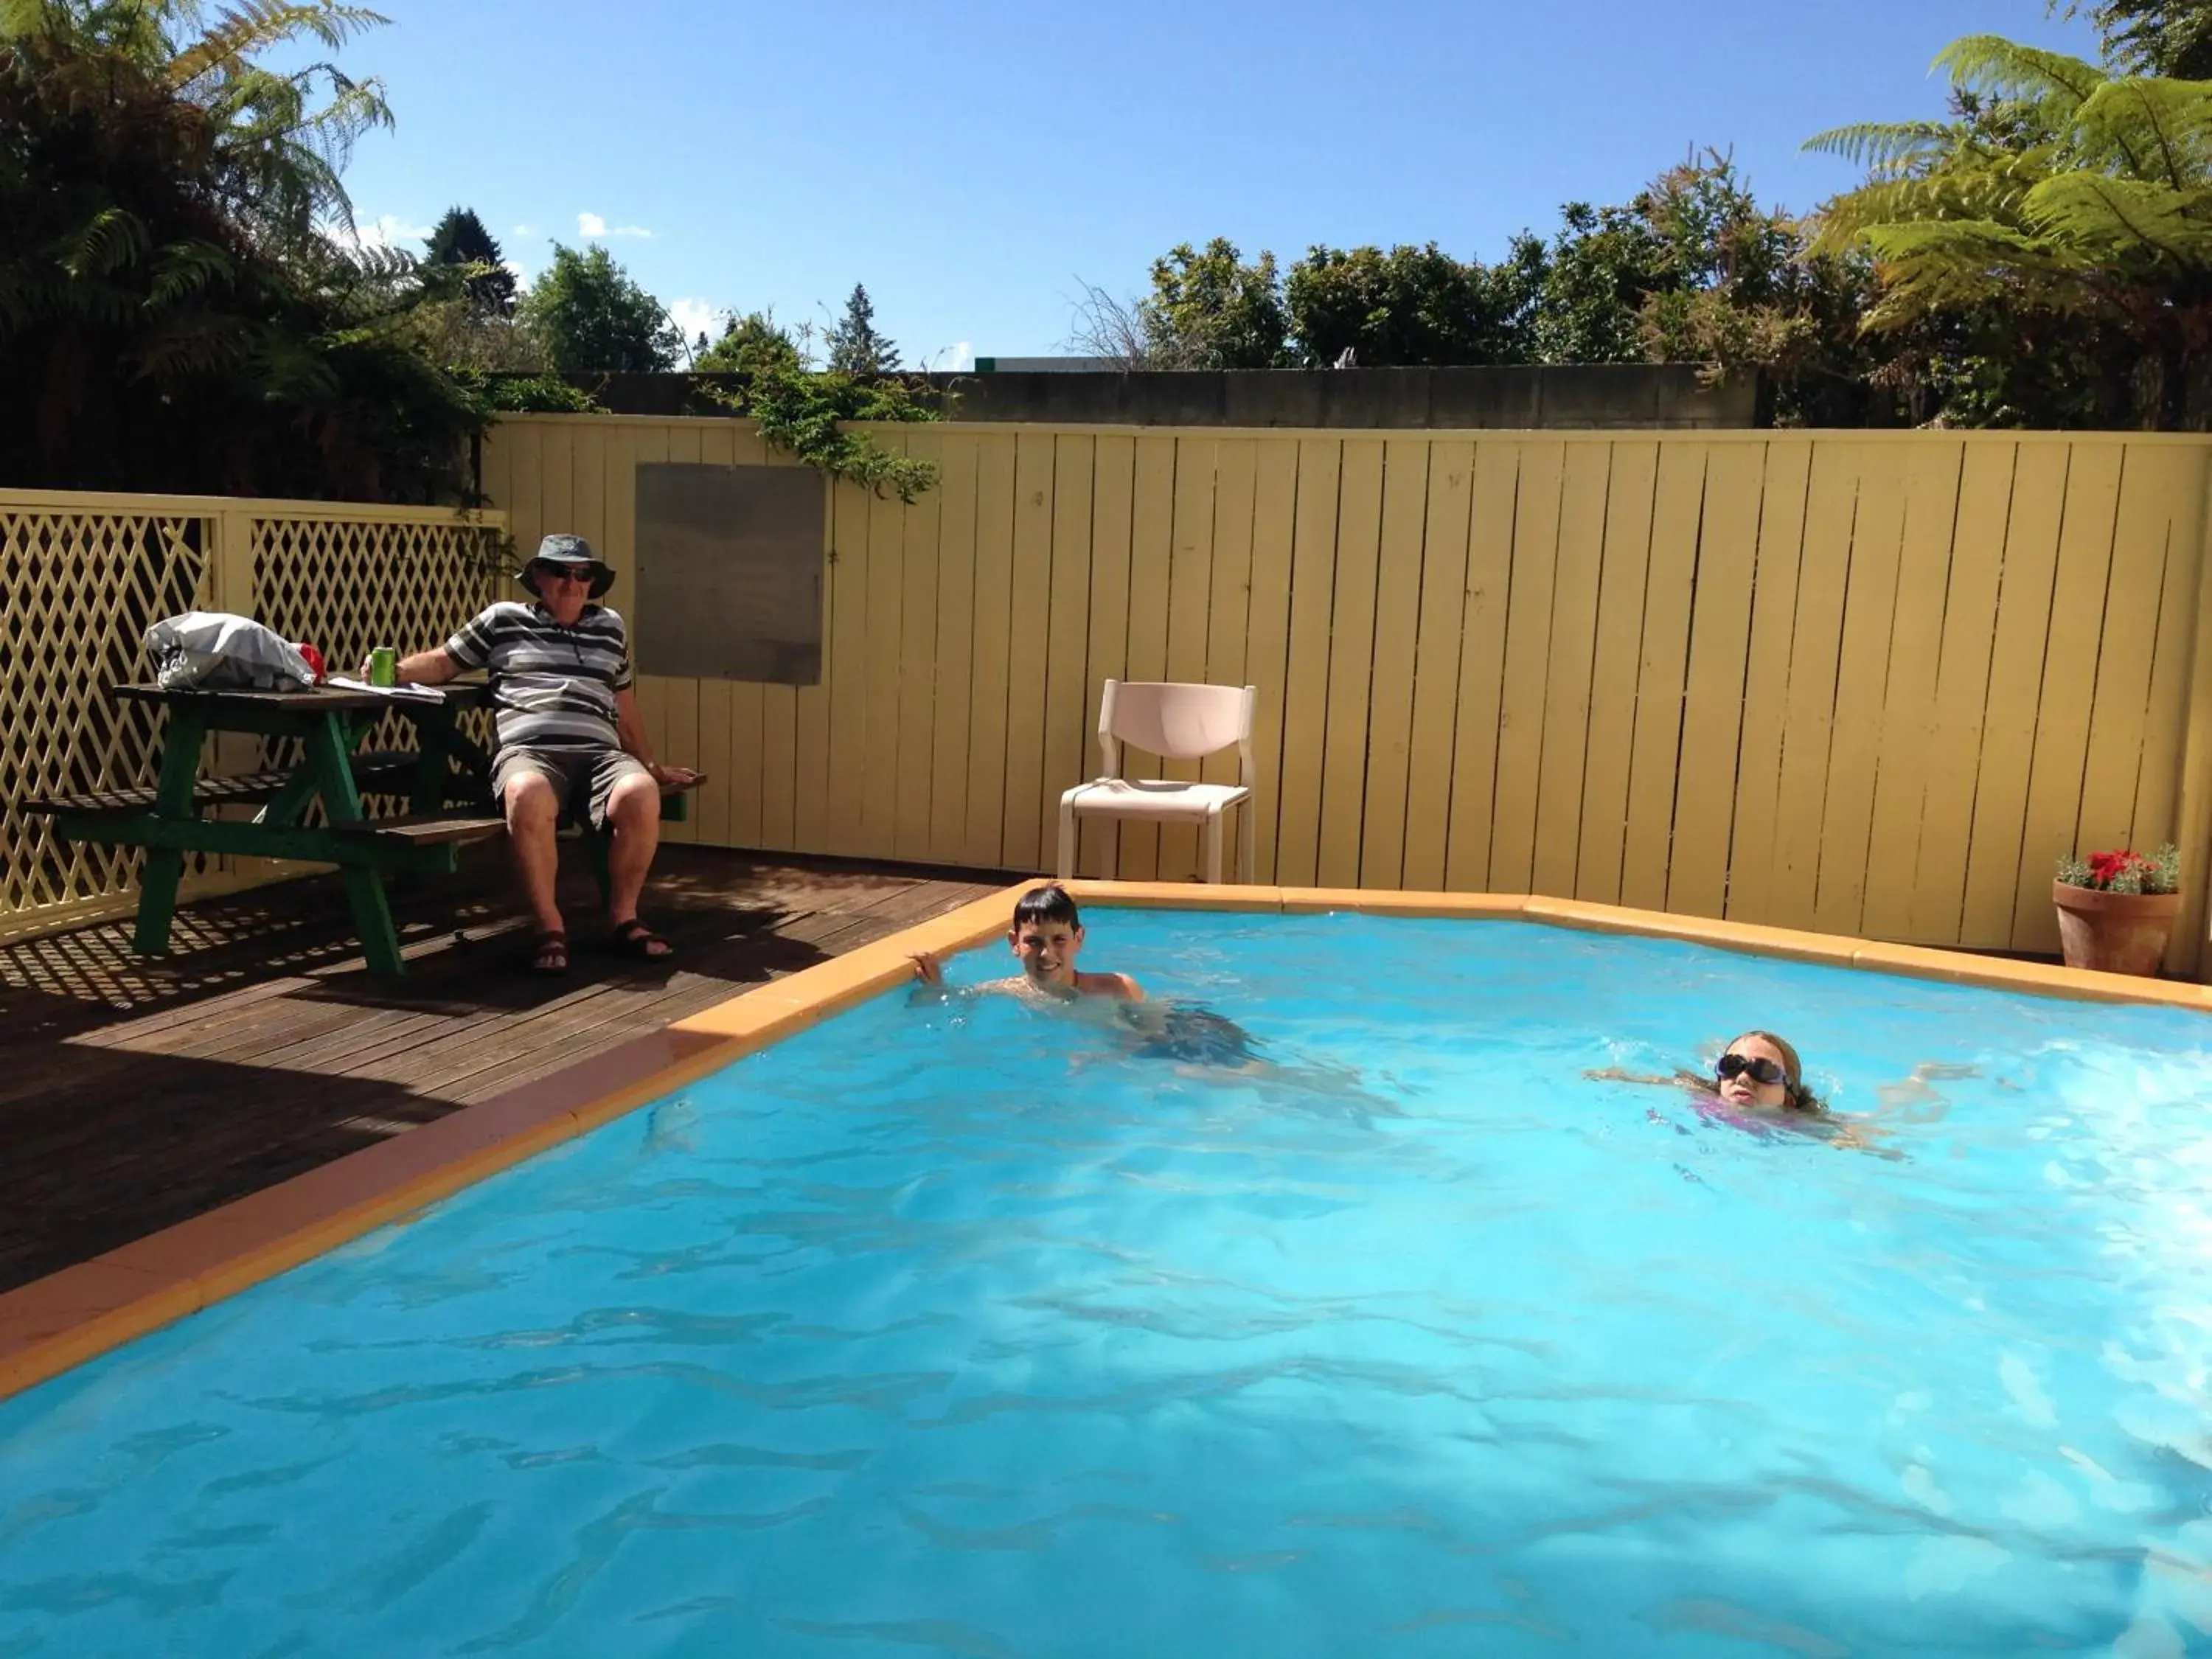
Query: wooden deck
x,y
137,1093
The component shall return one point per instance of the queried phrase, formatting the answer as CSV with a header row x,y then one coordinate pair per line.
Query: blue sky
x,y
973,163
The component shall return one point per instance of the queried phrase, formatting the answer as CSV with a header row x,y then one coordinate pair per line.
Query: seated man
x,y
570,739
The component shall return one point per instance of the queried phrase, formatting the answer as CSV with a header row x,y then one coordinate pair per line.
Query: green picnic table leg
x,y
172,798
329,747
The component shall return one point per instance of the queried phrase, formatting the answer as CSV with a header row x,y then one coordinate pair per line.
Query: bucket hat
x,y
572,551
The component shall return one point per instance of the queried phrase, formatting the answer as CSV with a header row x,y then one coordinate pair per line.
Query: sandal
x,y
634,939
549,957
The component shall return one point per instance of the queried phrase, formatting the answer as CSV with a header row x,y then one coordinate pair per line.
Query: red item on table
x,y
314,661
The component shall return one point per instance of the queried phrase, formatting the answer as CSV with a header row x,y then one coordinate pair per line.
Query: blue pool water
x,y
950,1331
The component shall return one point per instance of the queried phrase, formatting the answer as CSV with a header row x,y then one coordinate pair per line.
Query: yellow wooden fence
x,y
82,578
1870,683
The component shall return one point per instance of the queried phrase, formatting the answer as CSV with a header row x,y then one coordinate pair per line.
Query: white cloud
x,y
593,228
958,358
525,230
697,317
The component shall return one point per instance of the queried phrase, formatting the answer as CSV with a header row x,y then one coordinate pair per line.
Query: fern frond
x,y
111,238
1883,145
1988,63
2121,219
254,25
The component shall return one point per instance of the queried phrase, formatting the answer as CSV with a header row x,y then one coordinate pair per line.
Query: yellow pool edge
x,y
60,1321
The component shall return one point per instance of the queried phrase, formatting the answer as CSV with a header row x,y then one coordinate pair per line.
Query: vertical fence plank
x,y
1305,675
1662,663
881,662
751,780
1351,664
1267,631
1933,474
1787,470
2188,951
1113,486
955,647
2146,540
1524,689
1567,684
1487,593
1067,631
1713,693
1431,748
1026,652
1228,611
711,811
1862,670
2069,678
525,512
1397,634
1824,569
1190,592
919,686
810,725
991,640
843,756
2007,738
2158,816
1630,492
1961,687
676,733
1152,545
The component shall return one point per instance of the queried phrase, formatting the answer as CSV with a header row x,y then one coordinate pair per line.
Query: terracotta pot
x,y
2113,933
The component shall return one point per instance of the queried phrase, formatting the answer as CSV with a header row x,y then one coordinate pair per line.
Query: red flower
x,y
2105,868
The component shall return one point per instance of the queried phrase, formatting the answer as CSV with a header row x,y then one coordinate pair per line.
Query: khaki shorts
x,y
583,780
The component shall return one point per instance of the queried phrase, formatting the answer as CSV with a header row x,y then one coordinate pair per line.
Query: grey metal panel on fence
x,y
729,572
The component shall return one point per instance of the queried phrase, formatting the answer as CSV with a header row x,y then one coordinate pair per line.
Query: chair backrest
x,y
1176,721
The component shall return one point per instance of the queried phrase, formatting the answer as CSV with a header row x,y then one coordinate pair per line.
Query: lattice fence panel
x,y
78,593
347,585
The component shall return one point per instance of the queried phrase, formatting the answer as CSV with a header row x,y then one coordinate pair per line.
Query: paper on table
x,y
419,693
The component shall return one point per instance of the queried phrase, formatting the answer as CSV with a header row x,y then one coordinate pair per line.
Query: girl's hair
x,y
1795,1095
1050,903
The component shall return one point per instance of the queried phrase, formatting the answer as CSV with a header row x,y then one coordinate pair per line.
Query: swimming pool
x,y
953,1330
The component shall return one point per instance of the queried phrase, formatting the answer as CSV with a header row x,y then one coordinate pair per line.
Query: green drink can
x,y
383,666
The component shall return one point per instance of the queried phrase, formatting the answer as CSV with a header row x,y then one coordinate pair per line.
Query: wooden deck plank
x,y
135,1093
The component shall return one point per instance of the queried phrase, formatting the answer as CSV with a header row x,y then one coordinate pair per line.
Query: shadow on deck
x,y
135,1093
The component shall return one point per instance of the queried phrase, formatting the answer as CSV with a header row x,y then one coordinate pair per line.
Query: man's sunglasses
x,y
562,573
1761,1069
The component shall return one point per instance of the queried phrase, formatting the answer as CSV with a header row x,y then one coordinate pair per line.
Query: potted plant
x,y
2115,909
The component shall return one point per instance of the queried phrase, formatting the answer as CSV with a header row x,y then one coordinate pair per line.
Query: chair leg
x,y
1066,841
1248,859
1214,849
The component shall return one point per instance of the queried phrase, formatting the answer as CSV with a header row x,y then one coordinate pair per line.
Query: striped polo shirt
x,y
553,687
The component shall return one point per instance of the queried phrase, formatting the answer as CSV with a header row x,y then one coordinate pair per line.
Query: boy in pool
x,y
1047,936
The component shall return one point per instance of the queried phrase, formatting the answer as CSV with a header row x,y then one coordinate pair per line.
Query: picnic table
x,y
446,778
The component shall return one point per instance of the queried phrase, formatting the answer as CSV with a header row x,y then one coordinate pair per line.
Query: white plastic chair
x,y
1176,722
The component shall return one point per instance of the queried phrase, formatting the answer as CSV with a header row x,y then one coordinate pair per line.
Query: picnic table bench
x,y
446,780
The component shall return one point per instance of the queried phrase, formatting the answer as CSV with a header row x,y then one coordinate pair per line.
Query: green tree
x,y
174,313
2056,235
1210,309
752,344
855,348
593,318
1413,306
2172,38
458,241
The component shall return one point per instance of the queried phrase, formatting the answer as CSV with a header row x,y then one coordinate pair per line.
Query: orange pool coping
x,y
59,1321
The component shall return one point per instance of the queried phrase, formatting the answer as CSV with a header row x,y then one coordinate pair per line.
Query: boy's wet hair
x,y
1050,903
